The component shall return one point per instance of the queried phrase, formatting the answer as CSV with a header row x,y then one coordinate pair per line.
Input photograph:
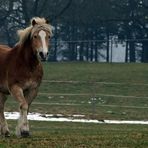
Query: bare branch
x,y
62,11
42,7
24,7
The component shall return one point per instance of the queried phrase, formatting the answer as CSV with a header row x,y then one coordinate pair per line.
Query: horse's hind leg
x,y
3,123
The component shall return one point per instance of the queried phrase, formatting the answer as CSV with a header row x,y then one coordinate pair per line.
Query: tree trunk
x,y
107,48
132,51
96,52
81,51
126,52
91,52
87,51
144,52
72,51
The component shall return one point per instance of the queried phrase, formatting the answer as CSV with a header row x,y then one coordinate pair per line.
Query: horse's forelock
x,y
45,27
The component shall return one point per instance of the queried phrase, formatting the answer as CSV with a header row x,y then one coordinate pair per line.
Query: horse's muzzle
x,y
44,56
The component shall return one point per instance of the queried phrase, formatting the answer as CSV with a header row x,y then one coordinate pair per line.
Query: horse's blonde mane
x,y
41,22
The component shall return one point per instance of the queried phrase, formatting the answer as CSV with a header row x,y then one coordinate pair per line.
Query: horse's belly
x,y
30,85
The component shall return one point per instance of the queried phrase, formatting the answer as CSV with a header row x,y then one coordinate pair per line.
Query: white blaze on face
x,y
42,35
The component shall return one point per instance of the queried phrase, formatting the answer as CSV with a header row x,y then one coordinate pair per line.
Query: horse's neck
x,y
27,57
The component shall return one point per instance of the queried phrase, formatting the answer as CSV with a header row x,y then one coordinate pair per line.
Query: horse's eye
x,y
35,36
49,36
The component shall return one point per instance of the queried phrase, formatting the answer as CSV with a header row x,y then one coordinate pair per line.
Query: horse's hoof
x,y
7,134
25,134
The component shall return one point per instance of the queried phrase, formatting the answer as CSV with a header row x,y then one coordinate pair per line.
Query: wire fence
x,y
92,102
94,82
95,94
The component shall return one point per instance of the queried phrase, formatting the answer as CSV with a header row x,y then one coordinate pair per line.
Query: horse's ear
x,y
33,22
47,21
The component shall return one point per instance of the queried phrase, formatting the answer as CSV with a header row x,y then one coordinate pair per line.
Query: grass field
x,y
78,135
121,92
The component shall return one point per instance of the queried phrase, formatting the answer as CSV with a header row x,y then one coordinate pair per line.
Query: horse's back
x,y
4,50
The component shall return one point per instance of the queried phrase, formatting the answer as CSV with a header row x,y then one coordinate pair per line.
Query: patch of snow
x,y
93,99
50,97
124,122
78,115
61,118
61,97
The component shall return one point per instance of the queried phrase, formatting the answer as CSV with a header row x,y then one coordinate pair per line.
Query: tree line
x,y
82,28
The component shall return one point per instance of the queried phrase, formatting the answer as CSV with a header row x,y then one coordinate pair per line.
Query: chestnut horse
x,y
21,71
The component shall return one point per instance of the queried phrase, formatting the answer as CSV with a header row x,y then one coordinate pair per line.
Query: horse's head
x,y
37,35
40,35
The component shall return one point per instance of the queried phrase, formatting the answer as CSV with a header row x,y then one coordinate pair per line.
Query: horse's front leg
x,y
30,96
22,129
3,123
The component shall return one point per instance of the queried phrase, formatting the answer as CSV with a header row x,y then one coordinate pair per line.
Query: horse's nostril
x,y
41,53
43,56
47,53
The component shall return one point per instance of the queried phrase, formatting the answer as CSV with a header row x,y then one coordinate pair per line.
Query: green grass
x,y
80,135
126,73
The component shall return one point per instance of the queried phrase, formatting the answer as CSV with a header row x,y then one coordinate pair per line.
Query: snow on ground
x,y
61,118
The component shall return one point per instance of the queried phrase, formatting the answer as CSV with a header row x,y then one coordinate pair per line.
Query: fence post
x,y
111,52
